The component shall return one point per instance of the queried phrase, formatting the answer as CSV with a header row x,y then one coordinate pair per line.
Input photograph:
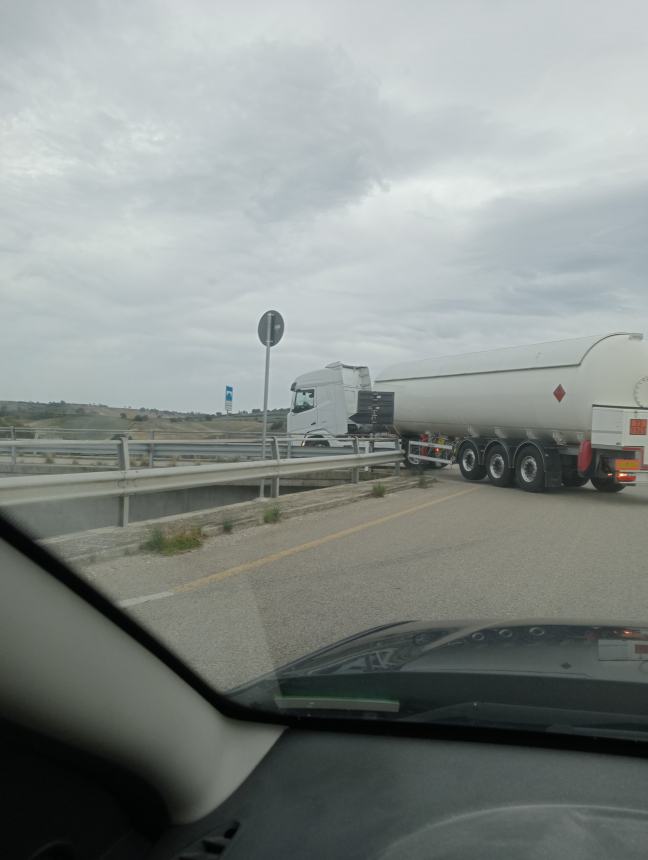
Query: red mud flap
x,y
584,457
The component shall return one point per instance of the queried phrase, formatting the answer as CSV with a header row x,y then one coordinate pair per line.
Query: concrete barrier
x,y
107,543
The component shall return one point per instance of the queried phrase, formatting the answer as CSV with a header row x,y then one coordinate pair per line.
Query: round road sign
x,y
276,328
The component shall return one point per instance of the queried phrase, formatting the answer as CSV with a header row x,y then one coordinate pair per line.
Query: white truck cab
x,y
324,400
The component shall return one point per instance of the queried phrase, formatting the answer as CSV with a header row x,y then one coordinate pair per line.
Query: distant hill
x,y
80,417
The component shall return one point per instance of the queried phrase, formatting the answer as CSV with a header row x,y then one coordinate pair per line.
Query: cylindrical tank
x,y
544,391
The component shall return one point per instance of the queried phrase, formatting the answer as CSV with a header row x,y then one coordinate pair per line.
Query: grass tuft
x,y
378,490
228,526
172,544
272,514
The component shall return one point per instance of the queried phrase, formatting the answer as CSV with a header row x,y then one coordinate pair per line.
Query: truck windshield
x,y
304,400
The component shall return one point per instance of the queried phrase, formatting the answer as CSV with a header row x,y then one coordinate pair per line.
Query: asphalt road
x,y
249,601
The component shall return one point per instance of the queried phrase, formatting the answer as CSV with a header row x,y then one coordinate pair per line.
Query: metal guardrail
x,y
127,482
165,449
18,432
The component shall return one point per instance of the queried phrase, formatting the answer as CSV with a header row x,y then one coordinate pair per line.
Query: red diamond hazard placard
x,y
559,393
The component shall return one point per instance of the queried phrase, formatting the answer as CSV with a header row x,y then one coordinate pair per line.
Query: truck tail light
x,y
625,478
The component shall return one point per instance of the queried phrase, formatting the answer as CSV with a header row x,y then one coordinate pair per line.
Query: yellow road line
x,y
311,544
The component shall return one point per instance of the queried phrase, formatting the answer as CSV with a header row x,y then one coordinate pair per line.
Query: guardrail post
x,y
13,447
123,454
274,483
124,464
355,472
151,449
397,464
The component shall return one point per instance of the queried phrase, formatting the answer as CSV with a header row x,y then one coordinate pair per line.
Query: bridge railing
x,y
165,450
126,481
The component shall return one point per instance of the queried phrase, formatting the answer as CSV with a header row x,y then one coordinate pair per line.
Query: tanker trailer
x,y
545,415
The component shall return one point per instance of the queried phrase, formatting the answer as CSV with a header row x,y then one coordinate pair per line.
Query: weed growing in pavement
x,y
172,544
228,526
272,514
49,458
378,490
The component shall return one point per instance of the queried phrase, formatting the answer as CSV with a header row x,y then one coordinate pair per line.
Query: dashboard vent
x,y
212,845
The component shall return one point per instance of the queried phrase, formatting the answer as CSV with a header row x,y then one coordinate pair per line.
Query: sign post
x,y
270,330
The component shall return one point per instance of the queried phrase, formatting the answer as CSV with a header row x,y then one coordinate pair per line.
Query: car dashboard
x,y
330,794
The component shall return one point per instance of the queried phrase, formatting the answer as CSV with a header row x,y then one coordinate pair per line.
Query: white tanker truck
x,y
545,415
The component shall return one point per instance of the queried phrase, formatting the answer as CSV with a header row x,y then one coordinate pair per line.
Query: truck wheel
x,y
469,463
497,467
607,485
529,470
571,478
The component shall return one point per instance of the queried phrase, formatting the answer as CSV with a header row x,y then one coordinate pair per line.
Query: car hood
x,y
605,651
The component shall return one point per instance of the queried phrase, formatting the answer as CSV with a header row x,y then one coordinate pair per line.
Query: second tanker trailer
x,y
545,415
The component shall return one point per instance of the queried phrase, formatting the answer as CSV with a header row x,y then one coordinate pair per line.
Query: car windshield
x,y
323,345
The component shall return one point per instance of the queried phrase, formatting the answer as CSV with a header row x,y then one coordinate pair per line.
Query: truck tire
x,y
571,478
497,467
469,463
529,470
607,485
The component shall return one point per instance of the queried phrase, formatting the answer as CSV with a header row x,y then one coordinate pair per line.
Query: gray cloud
x,y
166,178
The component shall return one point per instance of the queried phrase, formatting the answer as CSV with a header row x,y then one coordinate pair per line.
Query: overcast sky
x,y
399,179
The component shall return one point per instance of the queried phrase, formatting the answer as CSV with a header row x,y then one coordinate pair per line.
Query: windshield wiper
x,y
336,703
521,717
